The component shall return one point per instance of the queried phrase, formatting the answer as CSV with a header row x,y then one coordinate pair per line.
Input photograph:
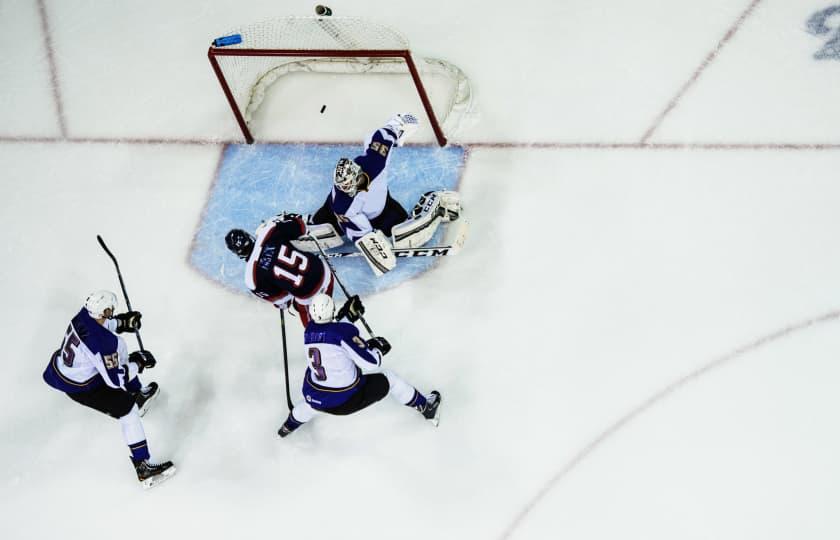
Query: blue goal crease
x,y
258,181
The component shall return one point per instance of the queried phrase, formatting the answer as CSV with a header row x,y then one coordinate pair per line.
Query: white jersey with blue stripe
x,y
91,355
337,356
354,213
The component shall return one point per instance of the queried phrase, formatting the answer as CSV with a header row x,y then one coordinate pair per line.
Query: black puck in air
x,y
323,108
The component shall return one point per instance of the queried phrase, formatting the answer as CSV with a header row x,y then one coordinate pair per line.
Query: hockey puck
x,y
322,11
323,108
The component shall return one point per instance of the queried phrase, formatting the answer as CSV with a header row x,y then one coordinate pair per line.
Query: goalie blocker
x,y
377,252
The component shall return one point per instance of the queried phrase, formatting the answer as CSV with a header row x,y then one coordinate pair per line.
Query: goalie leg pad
x,y
377,252
326,235
426,216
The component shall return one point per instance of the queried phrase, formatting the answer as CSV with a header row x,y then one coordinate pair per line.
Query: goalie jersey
x,y
279,273
336,355
91,355
355,213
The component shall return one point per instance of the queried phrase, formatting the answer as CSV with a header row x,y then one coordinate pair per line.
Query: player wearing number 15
x,y
275,270
93,368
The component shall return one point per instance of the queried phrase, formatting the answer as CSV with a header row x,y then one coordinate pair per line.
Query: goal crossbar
x,y
405,55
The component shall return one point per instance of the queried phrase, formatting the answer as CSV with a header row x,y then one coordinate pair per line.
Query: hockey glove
x,y
352,309
403,125
290,307
128,321
289,216
380,344
143,359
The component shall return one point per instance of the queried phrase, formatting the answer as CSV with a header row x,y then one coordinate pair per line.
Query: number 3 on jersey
x,y
317,367
290,265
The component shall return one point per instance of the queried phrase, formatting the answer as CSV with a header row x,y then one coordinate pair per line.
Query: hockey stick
x,y
285,357
427,251
431,251
340,284
122,284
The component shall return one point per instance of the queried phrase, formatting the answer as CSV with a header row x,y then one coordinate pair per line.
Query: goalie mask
x,y
322,309
240,242
98,302
346,176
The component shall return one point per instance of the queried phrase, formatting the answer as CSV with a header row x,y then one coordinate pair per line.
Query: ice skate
x,y
145,396
431,411
289,426
151,474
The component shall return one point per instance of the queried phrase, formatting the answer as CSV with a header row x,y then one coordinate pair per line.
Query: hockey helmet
x,y
346,176
240,242
322,308
98,302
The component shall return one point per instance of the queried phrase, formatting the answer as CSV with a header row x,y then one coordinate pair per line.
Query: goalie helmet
x,y
346,176
322,309
240,242
98,302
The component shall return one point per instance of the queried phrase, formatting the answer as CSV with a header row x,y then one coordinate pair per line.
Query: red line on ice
x,y
59,105
699,71
655,399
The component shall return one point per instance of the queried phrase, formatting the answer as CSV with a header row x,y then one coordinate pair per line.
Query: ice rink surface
x,y
639,340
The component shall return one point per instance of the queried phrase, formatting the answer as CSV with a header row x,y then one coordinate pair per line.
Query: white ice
x,y
637,341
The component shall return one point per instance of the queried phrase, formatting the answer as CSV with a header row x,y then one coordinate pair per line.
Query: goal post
x,y
249,60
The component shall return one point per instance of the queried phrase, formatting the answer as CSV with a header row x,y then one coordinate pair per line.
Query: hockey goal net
x,y
260,54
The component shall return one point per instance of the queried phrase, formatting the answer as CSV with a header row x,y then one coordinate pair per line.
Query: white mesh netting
x,y
249,77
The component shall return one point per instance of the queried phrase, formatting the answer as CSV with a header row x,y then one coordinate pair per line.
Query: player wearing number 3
x,y
275,270
345,373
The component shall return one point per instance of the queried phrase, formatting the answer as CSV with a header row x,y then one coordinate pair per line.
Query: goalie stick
x,y
444,250
122,285
432,251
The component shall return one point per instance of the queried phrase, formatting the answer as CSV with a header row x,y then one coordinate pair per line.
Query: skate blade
x,y
435,420
149,483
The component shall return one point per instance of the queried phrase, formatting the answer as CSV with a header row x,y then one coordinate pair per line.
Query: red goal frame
x,y
405,55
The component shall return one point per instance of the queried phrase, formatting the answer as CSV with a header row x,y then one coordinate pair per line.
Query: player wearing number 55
x,y
94,369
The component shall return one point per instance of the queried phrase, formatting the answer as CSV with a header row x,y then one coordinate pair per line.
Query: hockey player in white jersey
x,y
93,367
361,208
345,373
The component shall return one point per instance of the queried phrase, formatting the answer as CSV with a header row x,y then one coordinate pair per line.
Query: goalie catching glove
x,y
352,310
143,359
402,125
128,321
